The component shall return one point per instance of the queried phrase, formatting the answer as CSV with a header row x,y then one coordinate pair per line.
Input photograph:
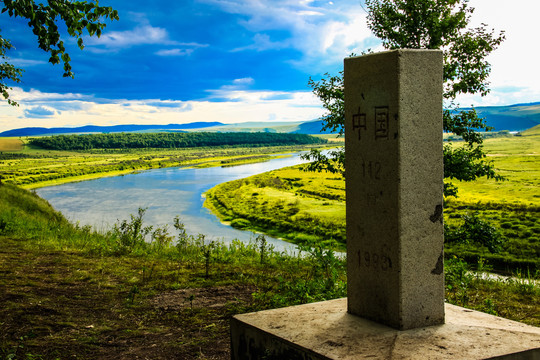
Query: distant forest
x,y
170,140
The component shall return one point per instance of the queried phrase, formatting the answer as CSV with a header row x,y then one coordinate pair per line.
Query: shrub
x,y
131,234
474,231
240,223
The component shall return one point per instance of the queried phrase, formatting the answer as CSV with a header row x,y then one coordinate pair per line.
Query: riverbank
x,y
308,208
33,168
166,193
305,208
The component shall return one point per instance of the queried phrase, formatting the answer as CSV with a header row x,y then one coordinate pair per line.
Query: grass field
x,y
305,207
10,144
518,160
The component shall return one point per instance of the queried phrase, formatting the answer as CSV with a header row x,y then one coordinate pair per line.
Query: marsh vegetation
x,y
34,166
497,221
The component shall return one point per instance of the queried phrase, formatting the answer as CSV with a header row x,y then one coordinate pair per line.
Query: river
x,y
166,193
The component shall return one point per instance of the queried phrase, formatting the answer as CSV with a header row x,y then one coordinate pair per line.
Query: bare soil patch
x,y
64,305
212,298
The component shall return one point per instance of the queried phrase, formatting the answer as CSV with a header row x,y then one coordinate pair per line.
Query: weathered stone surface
x,y
326,331
394,183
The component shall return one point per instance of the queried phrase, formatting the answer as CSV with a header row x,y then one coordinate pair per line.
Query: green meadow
x,y
309,208
31,167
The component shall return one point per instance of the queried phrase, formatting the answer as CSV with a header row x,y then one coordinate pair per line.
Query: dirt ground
x,y
56,305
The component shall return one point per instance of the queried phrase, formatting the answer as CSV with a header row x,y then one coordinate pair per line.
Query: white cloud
x,y
26,62
323,33
244,81
37,96
175,52
224,105
141,35
514,76
262,42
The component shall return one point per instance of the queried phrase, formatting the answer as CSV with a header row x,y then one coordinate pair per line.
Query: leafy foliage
x,y
457,280
474,230
7,70
170,140
428,24
131,234
79,17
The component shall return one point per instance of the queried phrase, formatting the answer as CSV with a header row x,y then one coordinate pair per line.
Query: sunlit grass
x,y
518,160
10,144
310,207
33,167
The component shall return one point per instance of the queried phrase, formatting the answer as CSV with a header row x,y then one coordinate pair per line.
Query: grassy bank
x,y
70,292
298,206
33,167
305,207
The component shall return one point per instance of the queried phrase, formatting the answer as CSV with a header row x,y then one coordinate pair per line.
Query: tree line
x,y
170,140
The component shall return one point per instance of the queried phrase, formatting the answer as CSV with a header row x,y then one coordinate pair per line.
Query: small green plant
x,y
525,284
207,250
458,280
190,298
161,238
133,293
147,272
132,234
482,267
263,247
182,234
489,307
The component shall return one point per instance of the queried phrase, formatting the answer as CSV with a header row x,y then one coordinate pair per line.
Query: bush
x,y
240,223
474,231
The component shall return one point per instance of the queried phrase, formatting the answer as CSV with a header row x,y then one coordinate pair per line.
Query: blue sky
x,y
229,61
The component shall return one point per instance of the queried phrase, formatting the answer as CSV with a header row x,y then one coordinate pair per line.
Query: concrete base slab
x,y
326,331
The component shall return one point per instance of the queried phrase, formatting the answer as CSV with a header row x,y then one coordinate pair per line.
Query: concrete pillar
x,y
394,184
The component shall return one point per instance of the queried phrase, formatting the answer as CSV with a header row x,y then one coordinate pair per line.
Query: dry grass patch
x,y
10,144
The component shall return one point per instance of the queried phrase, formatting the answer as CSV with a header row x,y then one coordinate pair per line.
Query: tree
x,y
427,24
79,17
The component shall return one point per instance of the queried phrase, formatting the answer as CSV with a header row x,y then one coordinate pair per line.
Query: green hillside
x,y
532,131
514,117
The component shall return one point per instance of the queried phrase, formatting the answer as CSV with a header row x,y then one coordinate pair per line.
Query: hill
x,y
517,117
513,118
39,131
532,131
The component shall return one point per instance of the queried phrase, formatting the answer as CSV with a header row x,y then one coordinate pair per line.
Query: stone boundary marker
x,y
394,187
394,180
326,331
